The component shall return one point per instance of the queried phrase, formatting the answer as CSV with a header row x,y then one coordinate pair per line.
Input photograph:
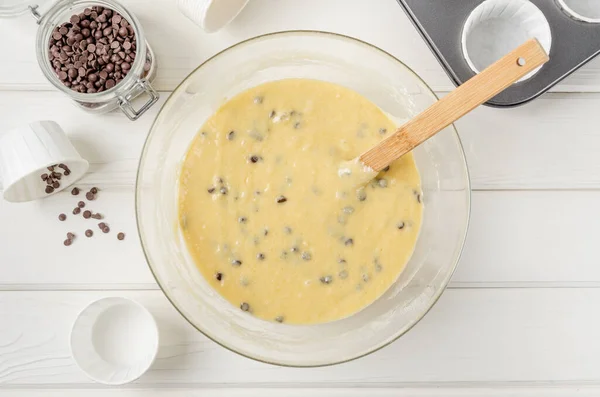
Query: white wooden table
x,y
520,317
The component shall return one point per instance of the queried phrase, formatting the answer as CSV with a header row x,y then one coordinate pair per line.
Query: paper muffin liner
x,y
581,10
496,27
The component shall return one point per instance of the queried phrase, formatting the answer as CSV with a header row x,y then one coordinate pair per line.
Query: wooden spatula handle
x,y
459,102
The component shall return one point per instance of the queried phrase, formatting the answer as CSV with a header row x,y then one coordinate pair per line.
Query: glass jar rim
x,y
43,38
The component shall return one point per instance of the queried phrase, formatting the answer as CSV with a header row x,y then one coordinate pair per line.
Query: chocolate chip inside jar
x,y
94,50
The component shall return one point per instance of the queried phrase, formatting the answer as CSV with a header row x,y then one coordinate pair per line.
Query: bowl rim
x,y
443,284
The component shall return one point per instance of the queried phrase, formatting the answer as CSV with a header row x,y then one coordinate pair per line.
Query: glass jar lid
x,y
14,8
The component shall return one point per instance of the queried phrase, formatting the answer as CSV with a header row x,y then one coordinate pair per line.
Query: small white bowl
x,y
114,340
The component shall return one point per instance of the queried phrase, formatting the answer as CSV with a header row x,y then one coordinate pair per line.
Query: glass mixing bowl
x,y
315,55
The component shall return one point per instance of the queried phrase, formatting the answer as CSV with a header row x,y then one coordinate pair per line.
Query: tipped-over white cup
x,y
211,15
25,154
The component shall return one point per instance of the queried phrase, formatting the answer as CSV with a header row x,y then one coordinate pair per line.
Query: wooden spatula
x,y
453,106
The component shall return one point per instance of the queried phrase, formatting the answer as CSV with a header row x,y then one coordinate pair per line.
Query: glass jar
x,y
135,84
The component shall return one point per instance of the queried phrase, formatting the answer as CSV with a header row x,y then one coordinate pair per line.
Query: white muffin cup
x,y
496,27
25,154
211,15
114,340
581,10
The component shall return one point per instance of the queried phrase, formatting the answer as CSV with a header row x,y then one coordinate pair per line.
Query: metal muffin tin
x,y
441,22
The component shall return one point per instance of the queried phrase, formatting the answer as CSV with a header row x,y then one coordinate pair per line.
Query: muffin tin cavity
x,y
468,35
496,27
581,10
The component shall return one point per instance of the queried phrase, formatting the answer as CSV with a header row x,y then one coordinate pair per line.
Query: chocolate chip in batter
x,y
272,114
266,231
361,195
281,199
260,256
279,319
326,279
382,131
287,230
386,169
348,242
418,196
242,219
236,262
231,135
255,159
297,125
211,190
245,307
219,276
306,256
400,225
342,261
294,249
223,190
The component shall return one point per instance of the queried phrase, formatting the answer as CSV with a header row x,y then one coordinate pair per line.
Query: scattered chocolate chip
x,y
219,276
76,211
70,236
245,307
121,236
326,279
105,229
62,217
89,196
97,216
306,256
102,225
75,191
51,168
260,256
281,199
81,204
89,233
279,319
87,214
94,190
67,242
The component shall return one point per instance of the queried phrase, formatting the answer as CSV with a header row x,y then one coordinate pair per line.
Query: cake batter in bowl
x,y
374,75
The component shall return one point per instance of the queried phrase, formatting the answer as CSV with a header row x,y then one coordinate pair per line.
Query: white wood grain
x,y
480,336
551,143
180,45
455,391
516,238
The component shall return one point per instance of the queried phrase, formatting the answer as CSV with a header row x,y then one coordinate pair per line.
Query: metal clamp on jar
x,y
133,84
